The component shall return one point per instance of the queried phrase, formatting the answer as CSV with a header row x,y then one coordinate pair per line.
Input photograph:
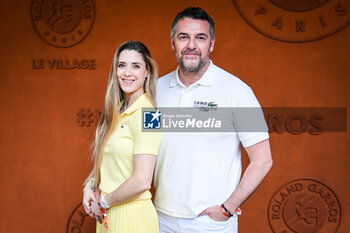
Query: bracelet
x,y
103,203
104,212
92,186
225,211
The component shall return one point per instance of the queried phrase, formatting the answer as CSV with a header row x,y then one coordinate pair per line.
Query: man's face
x,y
191,44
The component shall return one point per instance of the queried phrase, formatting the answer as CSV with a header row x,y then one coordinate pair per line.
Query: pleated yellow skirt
x,y
137,216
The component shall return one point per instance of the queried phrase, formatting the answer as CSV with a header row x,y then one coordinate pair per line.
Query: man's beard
x,y
191,68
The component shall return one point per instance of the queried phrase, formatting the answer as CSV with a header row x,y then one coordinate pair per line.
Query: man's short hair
x,y
193,13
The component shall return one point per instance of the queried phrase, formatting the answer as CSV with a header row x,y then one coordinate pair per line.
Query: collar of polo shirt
x,y
136,105
205,80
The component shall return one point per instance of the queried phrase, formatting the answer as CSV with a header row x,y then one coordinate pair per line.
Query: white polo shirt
x,y
198,170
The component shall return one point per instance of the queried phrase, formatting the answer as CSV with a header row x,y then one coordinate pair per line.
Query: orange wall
x,y
44,152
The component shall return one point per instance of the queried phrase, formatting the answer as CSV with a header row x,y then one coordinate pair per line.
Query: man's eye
x,y
183,37
201,38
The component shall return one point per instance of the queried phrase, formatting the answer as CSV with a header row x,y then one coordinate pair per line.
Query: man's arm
x,y
260,163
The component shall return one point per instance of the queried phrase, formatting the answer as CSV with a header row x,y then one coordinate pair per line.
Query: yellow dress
x,y
138,215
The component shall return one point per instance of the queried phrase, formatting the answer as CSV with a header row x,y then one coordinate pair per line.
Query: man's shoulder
x,y
169,75
165,79
228,80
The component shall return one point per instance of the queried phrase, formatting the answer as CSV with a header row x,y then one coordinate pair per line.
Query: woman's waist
x,y
143,196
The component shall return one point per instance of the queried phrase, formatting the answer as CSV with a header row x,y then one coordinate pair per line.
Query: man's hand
x,y
215,213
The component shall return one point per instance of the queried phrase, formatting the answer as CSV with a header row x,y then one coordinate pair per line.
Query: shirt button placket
x,y
186,98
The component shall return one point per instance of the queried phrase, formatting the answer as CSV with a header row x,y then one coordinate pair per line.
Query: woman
x,y
124,156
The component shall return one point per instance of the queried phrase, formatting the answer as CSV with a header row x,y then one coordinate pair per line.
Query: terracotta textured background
x,y
44,152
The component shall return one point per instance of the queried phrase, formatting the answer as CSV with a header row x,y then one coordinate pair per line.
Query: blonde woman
x,y
117,190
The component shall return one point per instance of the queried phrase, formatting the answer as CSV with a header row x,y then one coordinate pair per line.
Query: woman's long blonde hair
x,y
113,99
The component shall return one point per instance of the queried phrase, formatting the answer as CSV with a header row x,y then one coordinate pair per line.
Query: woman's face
x,y
131,73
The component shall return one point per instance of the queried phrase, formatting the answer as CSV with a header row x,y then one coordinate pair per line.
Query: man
x,y
197,176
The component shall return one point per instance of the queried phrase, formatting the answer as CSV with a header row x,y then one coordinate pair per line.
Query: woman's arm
x,y
139,182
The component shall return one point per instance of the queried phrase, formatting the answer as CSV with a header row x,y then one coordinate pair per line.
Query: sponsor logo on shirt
x,y
205,106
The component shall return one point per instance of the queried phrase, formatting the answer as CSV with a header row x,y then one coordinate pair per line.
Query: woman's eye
x,y
120,65
136,66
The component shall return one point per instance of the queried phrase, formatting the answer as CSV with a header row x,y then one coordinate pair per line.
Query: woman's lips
x,y
128,81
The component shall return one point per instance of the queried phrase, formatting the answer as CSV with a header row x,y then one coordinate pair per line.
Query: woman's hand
x,y
95,209
89,197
